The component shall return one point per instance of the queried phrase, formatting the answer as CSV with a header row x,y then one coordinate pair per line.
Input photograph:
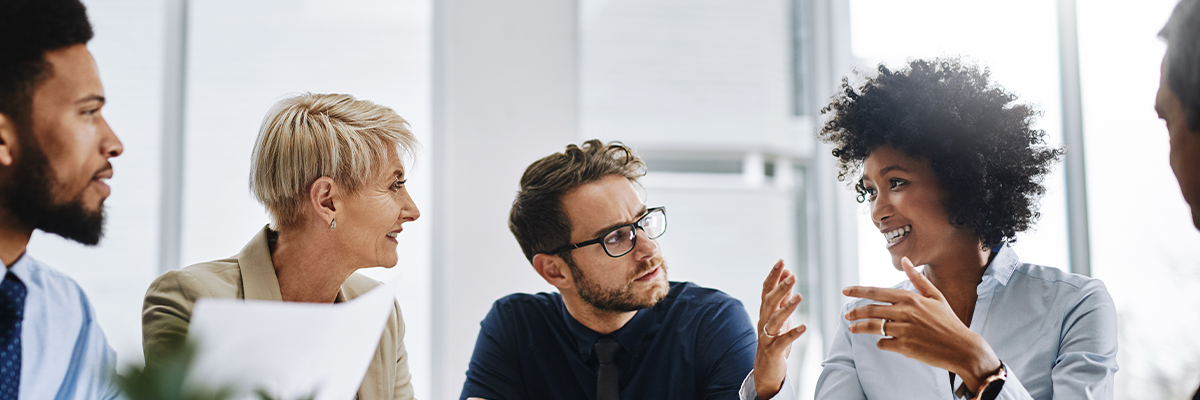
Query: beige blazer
x,y
250,275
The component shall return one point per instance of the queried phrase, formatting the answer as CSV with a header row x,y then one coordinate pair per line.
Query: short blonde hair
x,y
308,136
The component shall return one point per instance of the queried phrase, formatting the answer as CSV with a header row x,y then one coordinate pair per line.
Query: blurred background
x,y
721,97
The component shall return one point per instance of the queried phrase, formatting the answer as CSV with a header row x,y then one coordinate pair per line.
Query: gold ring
x,y
770,336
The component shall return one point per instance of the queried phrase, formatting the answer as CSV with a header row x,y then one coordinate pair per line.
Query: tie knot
x,y
606,349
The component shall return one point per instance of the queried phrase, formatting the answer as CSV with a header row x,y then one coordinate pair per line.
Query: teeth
x,y
392,234
897,234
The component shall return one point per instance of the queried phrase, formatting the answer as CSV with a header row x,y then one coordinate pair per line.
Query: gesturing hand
x,y
922,326
775,335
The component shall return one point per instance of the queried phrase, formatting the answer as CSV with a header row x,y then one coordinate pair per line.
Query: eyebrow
x,y
620,224
891,168
94,97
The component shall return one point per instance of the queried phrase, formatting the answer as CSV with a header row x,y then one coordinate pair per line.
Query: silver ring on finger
x,y
768,334
882,325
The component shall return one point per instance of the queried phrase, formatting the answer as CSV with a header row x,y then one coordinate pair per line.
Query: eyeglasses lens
x,y
655,224
619,241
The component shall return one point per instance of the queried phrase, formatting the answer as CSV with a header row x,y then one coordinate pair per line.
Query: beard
x,y
622,299
29,195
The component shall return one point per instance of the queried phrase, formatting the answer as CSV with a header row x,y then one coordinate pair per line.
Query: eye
x,y
871,192
399,184
897,182
90,112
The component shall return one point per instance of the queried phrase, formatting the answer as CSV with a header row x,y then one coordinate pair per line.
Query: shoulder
x,y
689,294
52,282
219,278
1042,278
525,303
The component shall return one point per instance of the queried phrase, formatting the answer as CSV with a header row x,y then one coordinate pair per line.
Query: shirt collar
x,y
1003,265
23,268
258,272
629,336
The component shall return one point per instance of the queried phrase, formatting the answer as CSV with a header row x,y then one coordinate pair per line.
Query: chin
x,y
1196,216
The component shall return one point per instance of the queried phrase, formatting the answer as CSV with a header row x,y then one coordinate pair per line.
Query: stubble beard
x,y
29,195
622,299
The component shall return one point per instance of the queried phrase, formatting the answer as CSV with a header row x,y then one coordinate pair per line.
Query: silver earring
x,y
333,225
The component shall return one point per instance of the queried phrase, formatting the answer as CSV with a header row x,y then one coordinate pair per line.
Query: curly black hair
x,y
988,158
29,29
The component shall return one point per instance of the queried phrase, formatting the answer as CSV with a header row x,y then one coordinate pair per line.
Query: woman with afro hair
x,y
952,169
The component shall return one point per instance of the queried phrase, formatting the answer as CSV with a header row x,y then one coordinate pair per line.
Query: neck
x,y
958,276
309,270
14,237
602,321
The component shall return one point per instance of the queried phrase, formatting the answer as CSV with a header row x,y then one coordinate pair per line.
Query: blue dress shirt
x,y
64,354
1056,333
695,344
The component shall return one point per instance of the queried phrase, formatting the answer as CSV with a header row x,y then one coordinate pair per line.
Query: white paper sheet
x,y
289,350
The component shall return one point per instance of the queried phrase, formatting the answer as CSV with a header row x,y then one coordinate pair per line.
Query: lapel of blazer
x,y
258,273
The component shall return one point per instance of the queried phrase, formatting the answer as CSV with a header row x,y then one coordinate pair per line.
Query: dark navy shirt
x,y
695,344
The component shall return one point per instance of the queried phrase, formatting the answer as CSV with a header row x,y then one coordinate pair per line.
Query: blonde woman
x,y
328,168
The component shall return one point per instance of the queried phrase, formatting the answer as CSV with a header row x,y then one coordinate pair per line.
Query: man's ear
x,y
321,199
554,270
8,140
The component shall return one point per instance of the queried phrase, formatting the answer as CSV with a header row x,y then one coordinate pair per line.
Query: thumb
x,y
923,285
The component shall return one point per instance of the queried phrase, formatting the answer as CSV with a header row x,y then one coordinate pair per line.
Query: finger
x,y
777,320
888,344
871,327
787,280
922,284
776,297
875,293
772,278
785,339
877,311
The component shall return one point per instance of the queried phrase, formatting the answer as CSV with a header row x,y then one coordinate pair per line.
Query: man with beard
x,y
54,151
1178,101
617,328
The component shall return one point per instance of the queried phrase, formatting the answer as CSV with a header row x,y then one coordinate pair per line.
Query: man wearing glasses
x,y
617,328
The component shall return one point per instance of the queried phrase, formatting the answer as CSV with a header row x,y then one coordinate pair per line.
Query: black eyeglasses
x,y
620,241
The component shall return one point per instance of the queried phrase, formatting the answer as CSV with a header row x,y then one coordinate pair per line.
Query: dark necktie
x,y
608,380
12,311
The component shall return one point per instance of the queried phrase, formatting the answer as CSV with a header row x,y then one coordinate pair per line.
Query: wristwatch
x,y
989,389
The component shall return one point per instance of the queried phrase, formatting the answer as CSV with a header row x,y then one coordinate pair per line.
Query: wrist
x,y
765,389
980,367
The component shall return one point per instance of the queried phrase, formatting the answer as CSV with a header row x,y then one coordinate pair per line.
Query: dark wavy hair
x,y
988,158
1182,33
29,29
537,218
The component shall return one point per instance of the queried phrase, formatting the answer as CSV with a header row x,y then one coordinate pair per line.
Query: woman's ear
x,y
321,198
554,270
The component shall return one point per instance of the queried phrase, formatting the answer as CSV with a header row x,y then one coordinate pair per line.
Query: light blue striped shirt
x,y
1056,333
64,354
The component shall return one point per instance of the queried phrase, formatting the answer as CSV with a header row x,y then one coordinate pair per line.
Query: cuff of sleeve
x,y
749,392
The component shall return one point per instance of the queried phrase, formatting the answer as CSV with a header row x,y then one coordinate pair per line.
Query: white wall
x,y
504,96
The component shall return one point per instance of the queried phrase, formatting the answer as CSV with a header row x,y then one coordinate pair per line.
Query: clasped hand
x,y
922,326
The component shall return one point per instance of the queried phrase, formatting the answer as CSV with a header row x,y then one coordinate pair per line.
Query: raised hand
x,y
922,326
775,334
